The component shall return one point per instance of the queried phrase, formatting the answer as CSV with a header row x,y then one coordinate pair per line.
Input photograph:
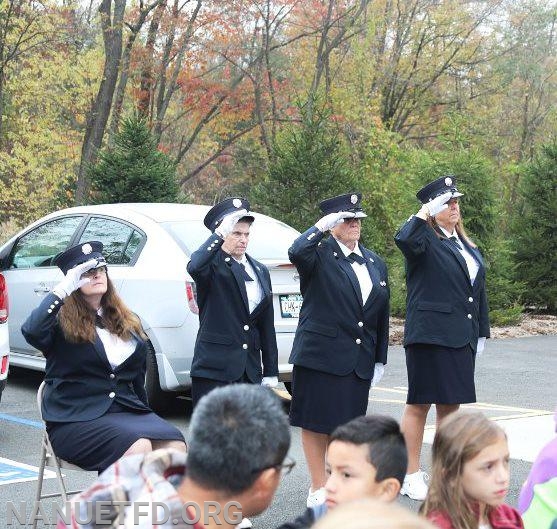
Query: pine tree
x,y
534,229
309,164
134,170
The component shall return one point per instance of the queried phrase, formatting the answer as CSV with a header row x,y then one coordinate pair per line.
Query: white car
x,y
147,246
4,335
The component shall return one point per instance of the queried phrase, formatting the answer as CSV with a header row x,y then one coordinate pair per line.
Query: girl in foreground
x,y
470,475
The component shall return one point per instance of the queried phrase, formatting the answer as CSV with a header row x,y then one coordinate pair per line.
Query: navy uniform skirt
x,y
321,401
96,444
440,375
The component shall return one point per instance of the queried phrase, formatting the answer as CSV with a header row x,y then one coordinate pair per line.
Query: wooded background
x,y
288,102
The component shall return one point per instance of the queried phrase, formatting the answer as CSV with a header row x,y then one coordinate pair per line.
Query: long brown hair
x,y
459,229
77,318
461,436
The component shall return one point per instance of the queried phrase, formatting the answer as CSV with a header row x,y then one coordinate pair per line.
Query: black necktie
x,y
99,321
245,275
454,240
354,257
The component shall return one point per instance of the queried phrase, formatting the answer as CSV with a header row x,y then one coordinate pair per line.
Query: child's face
x,y
351,475
485,478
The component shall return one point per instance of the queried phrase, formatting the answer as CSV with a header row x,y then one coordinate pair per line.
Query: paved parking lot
x,y
515,386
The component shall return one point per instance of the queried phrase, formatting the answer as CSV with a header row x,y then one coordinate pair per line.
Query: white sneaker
x,y
317,497
244,524
414,485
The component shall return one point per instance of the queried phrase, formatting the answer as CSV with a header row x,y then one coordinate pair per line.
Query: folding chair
x,y
50,459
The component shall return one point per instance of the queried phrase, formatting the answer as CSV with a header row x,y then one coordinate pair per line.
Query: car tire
x,y
159,400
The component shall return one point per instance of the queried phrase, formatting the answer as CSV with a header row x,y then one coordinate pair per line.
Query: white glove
x,y
481,345
228,222
438,204
332,219
270,382
72,280
377,374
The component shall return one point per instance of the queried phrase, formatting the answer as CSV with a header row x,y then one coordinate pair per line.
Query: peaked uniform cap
x,y
348,202
80,254
218,211
438,187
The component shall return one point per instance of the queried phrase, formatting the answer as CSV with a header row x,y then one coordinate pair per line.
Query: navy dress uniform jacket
x,y
442,306
231,341
80,383
336,333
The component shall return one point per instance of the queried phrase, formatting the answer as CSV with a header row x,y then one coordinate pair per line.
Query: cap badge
x,y
354,199
237,203
86,249
448,181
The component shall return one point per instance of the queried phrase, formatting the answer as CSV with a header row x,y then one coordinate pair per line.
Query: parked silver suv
x,y
147,247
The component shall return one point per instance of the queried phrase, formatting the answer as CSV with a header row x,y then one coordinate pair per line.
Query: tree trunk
x,y
97,117
124,75
147,79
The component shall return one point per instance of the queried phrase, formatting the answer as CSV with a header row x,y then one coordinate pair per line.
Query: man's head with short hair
x,y
238,438
236,242
366,457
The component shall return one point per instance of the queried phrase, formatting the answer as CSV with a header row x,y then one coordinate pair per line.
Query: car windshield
x,y
269,239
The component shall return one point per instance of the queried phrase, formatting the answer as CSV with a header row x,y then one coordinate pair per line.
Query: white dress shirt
x,y
471,263
116,349
253,288
360,270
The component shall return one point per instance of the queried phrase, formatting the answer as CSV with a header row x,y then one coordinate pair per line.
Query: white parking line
x,y
16,472
528,430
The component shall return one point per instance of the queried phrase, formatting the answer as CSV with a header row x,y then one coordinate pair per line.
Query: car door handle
x,y
41,288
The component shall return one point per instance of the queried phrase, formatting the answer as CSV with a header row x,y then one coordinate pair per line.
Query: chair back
x,y
40,399
52,459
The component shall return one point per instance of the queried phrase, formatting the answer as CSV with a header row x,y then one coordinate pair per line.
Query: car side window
x,y
42,244
134,243
120,241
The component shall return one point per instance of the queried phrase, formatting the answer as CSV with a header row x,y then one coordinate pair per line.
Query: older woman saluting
x,y
342,335
446,316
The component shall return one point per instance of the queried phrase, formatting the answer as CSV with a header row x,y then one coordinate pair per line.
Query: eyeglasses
x,y
286,467
94,271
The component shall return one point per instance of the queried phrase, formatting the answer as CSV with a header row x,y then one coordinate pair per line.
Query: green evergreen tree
x,y
534,229
134,170
309,164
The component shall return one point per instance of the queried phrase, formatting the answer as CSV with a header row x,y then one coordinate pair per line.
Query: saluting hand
x,y
228,222
333,219
73,280
438,204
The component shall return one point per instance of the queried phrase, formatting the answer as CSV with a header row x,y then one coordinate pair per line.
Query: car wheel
x,y
159,400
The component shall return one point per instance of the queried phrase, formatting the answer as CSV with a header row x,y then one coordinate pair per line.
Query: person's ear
x,y
389,489
266,483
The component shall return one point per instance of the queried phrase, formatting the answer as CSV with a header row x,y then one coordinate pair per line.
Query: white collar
x,y
449,235
347,251
243,260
